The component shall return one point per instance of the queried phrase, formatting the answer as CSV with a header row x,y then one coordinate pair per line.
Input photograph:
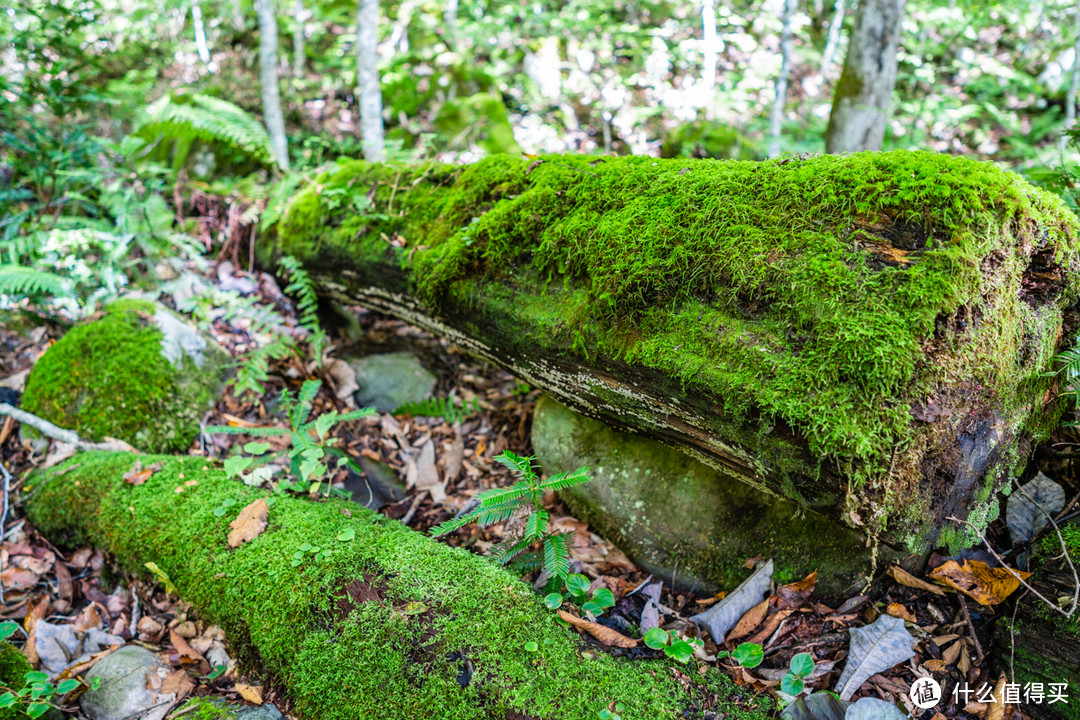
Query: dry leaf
x,y
251,693
770,627
795,594
977,580
952,653
88,618
15,578
38,609
137,475
905,578
935,665
749,621
899,611
178,682
249,524
605,635
188,653
997,709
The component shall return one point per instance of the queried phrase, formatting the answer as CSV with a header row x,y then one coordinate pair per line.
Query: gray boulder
x,y
390,380
677,517
123,693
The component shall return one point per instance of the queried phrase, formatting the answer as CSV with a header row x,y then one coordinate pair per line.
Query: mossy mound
x,y
868,333
701,139
13,669
136,373
392,625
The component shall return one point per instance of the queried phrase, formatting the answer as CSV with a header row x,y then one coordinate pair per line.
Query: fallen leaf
x,y
423,474
16,578
899,611
997,709
137,475
650,614
38,609
178,682
605,635
88,618
868,708
935,665
1030,506
874,648
794,594
977,580
770,626
905,578
249,524
723,616
251,693
188,654
344,379
750,620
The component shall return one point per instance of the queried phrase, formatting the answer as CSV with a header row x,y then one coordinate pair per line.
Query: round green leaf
x,y
603,598
7,700
791,684
553,600
35,676
67,686
347,534
656,638
8,629
679,650
531,646
802,664
36,710
577,584
749,655
256,448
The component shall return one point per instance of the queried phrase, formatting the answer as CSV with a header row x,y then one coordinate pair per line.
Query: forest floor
x,y
41,583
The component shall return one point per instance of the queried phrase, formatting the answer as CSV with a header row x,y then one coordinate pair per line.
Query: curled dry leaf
x,y
188,654
899,611
605,635
251,693
906,579
137,475
979,581
249,524
178,682
794,594
749,621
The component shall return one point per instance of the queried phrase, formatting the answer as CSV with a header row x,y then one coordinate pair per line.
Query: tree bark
x,y
299,51
367,76
268,81
833,40
954,442
1070,96
861,99
404,626
787,49
711,55
200,33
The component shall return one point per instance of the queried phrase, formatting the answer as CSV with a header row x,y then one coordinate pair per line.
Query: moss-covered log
x,y
392,625
1041,645
864,334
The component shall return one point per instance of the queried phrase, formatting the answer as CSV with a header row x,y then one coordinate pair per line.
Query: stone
x,y
390,380
214,708
378,487
677,517
123,693
136,372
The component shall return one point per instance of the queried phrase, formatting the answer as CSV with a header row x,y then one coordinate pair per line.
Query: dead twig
x,y
55,432
971,628
413,508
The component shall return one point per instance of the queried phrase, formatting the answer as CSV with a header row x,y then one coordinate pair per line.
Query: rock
x,y
678,517
138,373
123,693
378,487
217,709
390,380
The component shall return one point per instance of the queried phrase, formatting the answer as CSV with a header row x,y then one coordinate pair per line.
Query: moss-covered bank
x,y
392,625
864,332
136,373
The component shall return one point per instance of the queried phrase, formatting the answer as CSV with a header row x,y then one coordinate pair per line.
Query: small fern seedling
x,y
522,503
444,407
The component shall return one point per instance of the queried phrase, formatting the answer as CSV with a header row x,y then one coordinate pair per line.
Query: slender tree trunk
x,y
708,70
200,33
833,40
299,52
367,76
1070,97
450,17
861,100
268,79
787,49
237,12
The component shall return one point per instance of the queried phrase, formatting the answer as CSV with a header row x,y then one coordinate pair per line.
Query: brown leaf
x,y
87,619
178,682
65,588
952,653
251,693
770,626
137,475
249,524
795,594
750,620
188,655
16,578
935,665
899,611
996,711
905,578
977,580
38,609
605,635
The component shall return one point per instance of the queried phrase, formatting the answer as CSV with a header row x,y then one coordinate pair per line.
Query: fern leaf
x,y
557,555
300,411
563,480
517,463
536,525
21,281
495,496
256,431
186,117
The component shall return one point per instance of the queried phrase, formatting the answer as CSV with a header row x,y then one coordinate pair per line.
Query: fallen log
x,y
863,334
390,624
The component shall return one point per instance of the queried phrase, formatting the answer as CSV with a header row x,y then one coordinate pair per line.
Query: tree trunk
x,y
1070,97
299,52
833,40
861,100
268,80
732,311
392,625
367,75
787,49
200,33
450,17
711,54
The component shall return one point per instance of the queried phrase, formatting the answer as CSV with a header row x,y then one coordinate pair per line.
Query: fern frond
x,y
527,562
451,525
536,525
22,281
307,394
303,287
563,480
506,553
495,496
256,431
357,414
557,554
254,369
444,407
517,463
186,117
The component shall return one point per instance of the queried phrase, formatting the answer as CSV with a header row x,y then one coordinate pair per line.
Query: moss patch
x,y
109,378
866,303
346,650
13,669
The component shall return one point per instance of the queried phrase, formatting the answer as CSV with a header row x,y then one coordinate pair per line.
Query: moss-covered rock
x,y
13,669
678,517
136,372
392,625
865,334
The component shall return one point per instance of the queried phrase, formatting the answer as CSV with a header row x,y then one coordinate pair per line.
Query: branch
x,y
55,432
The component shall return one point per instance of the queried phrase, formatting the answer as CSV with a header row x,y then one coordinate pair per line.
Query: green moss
x,y
828,295
374,658
205,710
13,669
109,378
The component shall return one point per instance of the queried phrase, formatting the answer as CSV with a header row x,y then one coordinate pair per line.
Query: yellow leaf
x,y
249,524
979,581
251,693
